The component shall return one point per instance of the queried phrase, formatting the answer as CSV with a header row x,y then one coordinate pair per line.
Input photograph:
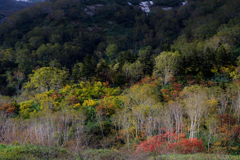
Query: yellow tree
x,y
133,70
140,113
176,110
196,104
47,78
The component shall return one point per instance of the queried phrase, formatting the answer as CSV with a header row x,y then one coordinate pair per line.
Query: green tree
x,y
77,72
47,78
136,69
102,70
89,67
112,51
145,59
10,55
133,70
55,38
223,55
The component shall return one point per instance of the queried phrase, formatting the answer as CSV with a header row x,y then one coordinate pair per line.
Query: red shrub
x,y
9,108
171,143
226,119
74,99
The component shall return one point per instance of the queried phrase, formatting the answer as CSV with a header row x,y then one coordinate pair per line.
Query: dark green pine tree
x,y
89,67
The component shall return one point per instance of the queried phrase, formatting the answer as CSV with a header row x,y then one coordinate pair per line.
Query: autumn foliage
x,y
171,143
228,135
9,108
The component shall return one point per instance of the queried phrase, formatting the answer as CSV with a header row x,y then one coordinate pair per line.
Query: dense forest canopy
x,y
125,74
8,7
67,31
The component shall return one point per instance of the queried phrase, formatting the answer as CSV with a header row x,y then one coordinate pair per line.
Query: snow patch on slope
x,y
90,10
130,4
184,3
166,8
145,6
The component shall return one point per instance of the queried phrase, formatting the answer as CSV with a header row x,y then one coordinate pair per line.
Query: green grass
x,y
199,156
103,154
31,152
22,152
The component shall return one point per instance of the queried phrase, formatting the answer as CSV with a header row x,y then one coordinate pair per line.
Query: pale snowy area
x,y
145,6
184,3
31,1
90,10
130,4
166,8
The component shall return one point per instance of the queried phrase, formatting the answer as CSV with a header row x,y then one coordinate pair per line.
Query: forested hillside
x,y
8,7
120,79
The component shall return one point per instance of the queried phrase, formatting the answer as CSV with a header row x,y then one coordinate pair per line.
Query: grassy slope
x,y
11,152
199,156
14,152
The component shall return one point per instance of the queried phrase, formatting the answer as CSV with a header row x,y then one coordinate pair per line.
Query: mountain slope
x,y
9,6
65,32
157,77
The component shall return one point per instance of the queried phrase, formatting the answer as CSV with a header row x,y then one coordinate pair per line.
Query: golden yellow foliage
x,y
90,102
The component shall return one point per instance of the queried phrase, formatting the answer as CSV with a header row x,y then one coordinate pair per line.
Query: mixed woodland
x,y
103,79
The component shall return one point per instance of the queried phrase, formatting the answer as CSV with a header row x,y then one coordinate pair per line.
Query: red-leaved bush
x,y
171,143
9,108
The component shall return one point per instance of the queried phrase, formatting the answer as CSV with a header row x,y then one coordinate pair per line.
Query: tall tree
x,y
167,65
196,104
47,78
89,67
